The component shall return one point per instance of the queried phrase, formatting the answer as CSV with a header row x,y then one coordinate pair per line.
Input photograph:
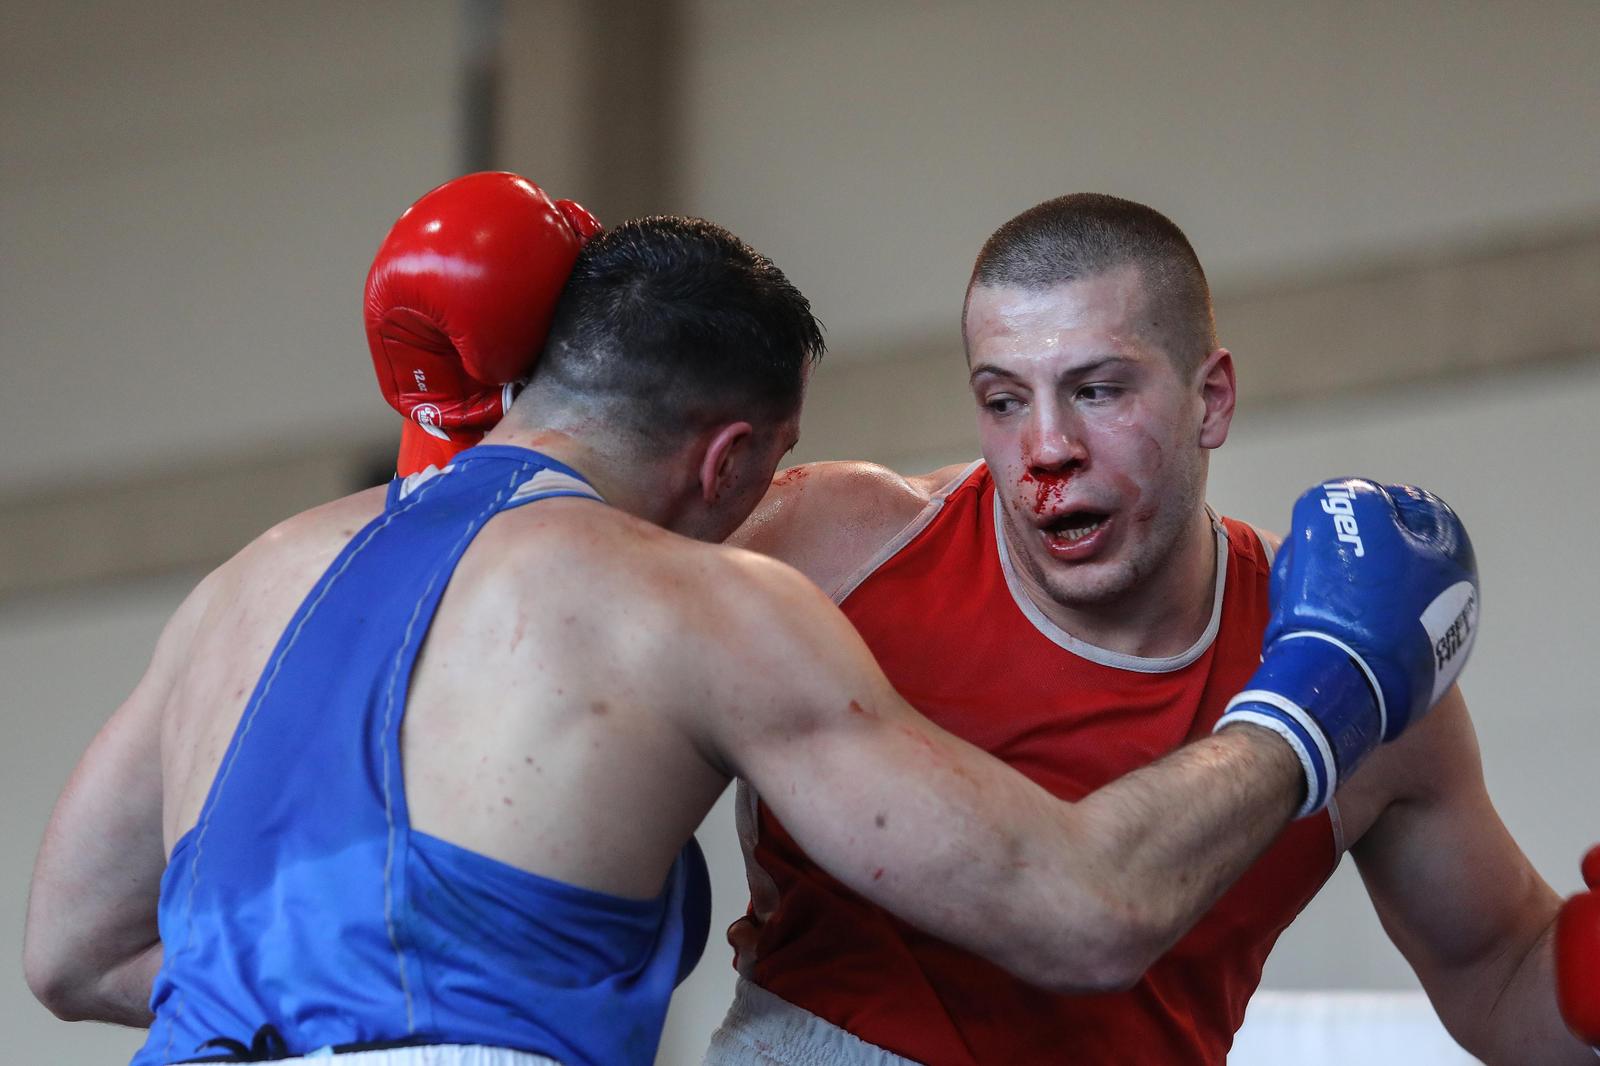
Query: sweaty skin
x,y
1101,448
1098,445
588,688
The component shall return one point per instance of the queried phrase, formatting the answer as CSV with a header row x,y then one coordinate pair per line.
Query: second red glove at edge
x,y
1577,949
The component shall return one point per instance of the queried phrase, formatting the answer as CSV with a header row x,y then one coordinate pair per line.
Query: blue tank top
x,y
303,912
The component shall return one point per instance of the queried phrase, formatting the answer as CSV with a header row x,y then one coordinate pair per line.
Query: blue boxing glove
x,y
1374,606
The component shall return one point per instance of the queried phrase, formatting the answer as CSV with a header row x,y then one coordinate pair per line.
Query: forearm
x,y
118,992
1074,896
1160,845
91,942
123,994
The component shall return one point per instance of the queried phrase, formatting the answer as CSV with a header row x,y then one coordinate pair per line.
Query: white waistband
x,y
763,1030
424,1055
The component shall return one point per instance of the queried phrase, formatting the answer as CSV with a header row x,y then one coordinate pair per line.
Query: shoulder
x,y
1270,540
763,651
1247,536
301,543
273,572
695,601
717,629
829,519
1250,547
264,569
642,578
313,530
722,594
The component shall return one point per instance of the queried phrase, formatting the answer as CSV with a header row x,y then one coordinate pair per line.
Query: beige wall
x,y
192,195
894,137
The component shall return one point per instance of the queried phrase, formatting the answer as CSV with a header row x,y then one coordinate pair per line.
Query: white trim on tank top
x,y
892,548
1104,656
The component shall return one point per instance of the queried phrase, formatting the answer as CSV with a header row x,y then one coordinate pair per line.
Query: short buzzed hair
x,y
672,323
1086,234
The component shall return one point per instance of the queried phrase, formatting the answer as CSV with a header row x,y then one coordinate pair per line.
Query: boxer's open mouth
x,y
1075,535
1074,526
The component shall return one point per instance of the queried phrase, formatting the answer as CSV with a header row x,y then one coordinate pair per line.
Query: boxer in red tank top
x,y
1079,573
1105,714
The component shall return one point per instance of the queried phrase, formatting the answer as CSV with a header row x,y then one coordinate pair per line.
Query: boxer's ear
x,y
717,469
1218,392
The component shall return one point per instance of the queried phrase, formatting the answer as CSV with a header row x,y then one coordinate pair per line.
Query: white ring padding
x,y
1372,679
1313,801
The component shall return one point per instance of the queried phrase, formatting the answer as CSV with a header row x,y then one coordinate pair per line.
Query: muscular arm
x,y
1072,896
91,947
1461,901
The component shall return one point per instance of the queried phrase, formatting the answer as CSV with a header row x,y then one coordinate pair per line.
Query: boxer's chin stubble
x,y
1086,584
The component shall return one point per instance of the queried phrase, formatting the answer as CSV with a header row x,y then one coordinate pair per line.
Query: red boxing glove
x,y
1578,955
458,302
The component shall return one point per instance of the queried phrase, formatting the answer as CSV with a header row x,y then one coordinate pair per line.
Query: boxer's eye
x,y
1099,393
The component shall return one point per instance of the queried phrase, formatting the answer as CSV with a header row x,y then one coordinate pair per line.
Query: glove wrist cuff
x,y
1316,693
1330,684
1268,710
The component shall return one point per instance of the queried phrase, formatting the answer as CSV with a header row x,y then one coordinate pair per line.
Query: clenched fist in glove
x,y
1374,610
458,302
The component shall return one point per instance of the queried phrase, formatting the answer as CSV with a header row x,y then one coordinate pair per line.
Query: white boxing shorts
x,y
763,1030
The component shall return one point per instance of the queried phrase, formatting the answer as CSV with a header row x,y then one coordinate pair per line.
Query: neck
x,y
1165,612
646,489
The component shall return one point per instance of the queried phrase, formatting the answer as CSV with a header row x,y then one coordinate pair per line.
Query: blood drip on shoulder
x,y
792,476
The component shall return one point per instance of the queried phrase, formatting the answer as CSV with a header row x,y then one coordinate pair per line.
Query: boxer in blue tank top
x,y
304,863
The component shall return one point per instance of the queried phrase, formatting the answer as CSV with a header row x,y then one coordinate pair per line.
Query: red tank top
x,y
968,649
